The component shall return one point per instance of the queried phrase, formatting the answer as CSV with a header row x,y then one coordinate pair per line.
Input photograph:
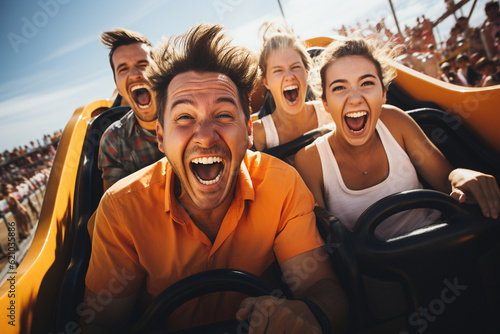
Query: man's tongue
x,y
207,172
355,123
142,96
291,95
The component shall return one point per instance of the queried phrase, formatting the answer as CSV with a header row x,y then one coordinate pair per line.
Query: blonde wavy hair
x,y
277,36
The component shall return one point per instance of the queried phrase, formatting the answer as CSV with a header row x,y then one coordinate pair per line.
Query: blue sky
x,y
52,61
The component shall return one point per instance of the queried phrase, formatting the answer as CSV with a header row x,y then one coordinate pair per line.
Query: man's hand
x,y
469,185
275,315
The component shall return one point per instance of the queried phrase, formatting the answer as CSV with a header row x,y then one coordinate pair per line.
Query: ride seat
x,y
88,193
338,247
459,145
397,97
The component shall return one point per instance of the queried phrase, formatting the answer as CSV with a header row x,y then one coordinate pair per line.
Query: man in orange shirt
x,y
212,205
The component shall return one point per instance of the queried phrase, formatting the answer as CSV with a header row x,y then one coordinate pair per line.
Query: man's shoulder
x,y
262,166
121,125
276,184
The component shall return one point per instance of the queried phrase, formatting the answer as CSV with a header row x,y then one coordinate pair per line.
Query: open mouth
x,y
141,96
291,94
356,121
208,170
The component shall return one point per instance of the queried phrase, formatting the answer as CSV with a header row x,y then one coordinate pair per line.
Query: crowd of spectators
x,y
33,151
467,56
24,172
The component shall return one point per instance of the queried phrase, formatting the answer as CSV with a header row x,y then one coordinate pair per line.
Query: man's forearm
x,y
330,297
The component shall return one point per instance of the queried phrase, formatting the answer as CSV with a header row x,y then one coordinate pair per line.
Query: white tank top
x,y
272,138
347,204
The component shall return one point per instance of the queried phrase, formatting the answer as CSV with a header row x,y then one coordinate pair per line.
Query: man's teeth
x,y
209,182
291,88
206,160
138,87
357,114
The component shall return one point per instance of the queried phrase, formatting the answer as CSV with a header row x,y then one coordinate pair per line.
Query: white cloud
x,y
324,17
29,116
24,84
77,44
38,83
145,9
247,34
19,106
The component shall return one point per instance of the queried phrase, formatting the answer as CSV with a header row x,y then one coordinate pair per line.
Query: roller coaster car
x,y
443,278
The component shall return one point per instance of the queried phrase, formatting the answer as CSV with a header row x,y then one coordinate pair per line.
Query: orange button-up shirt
x,y
142,234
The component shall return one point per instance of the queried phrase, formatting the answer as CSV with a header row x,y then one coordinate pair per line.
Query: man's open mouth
x,y
291,94
141,96
356,121
208,170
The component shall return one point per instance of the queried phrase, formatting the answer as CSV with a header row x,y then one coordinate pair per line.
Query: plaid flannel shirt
x,y
126,147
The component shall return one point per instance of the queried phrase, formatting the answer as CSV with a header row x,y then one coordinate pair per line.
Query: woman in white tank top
x,y
375,149
285,64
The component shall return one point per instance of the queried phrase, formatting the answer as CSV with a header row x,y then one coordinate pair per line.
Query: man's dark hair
x,y
203,48
491,5
118,37
462,57
483,62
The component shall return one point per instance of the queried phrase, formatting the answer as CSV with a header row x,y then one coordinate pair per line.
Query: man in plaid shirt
x,y
130,143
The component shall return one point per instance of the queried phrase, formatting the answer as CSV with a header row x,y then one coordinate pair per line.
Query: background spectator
x,y
488,69
447,75
491,26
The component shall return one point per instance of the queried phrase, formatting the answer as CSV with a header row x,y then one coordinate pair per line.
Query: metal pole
x,y
396,19
281,8
471,10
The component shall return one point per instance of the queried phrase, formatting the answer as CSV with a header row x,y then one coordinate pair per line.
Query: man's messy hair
x,y
203,48
118,37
